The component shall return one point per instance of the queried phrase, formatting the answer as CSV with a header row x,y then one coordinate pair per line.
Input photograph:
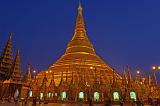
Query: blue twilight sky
x,y
122,31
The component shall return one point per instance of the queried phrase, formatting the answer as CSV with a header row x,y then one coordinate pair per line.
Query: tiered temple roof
x,y
6,60
16,70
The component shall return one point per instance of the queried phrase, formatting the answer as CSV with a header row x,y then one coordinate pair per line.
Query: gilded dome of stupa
x,y
80,62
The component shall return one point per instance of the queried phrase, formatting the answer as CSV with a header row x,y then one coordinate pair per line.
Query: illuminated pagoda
x,y
16,70
6,60
79,75
26,83
81,59
11,79
79,72
27,76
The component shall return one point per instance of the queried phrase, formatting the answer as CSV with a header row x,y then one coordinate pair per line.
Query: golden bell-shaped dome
x,y
80,62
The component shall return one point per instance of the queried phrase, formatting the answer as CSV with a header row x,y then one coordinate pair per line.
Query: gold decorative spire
x,y
80,41
27,77
129,75
52,84
44,84
16,70
124,77
61,82
79,57
10,36
80,23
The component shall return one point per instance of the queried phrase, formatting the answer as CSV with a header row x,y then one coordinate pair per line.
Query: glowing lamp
x,y
34,71
46,71
91,67
138,72
154,67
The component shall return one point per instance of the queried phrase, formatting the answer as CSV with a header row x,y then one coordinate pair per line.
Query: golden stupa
x,y
80,62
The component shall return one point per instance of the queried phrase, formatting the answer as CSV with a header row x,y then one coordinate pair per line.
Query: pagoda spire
x,y
43,87
6,59
52,80
72,78
61,82
16,70
27,77
114,80
124,82
80,27
144,79
150,79
138,75
53,76
129,75
80,42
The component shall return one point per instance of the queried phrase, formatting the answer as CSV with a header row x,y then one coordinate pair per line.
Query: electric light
x,y
91,67
138,72
50,71
154,67
46,71
158,67
34,71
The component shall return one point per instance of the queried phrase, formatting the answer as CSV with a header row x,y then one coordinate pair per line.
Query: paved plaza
x,y
54,104
49,104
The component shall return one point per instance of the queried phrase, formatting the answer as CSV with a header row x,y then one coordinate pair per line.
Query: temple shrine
x,y
79,75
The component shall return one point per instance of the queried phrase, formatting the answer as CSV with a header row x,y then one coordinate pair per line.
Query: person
x,y
45,100
121,102
138,102
25,100
34,100
90,102
133,102
141,102
158,101
108,102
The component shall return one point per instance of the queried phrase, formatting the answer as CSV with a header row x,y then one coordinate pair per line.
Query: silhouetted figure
x,y
34,100
133,103
25,101
158,101
150,102
90,102
141,102
121,102
45,101
138,102
108,102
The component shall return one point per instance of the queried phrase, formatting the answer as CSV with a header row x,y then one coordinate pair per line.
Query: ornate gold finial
x,y
80,8
17,51
10,35
80,35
